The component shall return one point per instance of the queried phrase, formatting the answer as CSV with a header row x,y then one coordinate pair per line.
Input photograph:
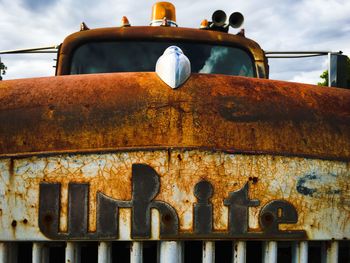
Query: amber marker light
x,y
125,22
161,11
204,24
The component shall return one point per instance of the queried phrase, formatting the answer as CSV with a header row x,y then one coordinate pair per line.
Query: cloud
x,y
25,67
306,70
274,24
309,77
38,4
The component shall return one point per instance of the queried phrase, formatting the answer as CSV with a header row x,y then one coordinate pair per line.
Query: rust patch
x,y
253,179
136,110
269,178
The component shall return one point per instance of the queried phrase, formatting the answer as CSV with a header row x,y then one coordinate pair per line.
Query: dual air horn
x,y
219,21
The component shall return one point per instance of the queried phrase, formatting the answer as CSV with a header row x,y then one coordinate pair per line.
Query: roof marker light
x,y
163,10
125,22
204,24
83,27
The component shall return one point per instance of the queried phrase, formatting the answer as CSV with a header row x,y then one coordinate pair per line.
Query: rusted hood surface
x,y
137,110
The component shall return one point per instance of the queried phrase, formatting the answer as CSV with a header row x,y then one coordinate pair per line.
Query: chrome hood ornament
x,y
173,67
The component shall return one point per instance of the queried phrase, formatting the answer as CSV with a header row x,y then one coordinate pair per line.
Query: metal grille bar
x,y
208,252
136,252
239,252
269,252
173,251
170,252
300,252
104,252
3,252
72,252
330,251
39,253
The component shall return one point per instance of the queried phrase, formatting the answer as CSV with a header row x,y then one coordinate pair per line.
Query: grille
x,y
172,251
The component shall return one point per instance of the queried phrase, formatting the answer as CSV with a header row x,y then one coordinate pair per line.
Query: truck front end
x,y
170,144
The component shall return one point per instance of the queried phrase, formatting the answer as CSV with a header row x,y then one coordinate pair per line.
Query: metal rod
x,y
329,70
104,252
3,252
72,252
269,252
239,252
28,50
300,252
330,251
208,252
136,252
302,56
39,253
170,252
298,54
32,52
302,52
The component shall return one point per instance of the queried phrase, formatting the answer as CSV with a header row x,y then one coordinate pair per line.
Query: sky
x,y
277,25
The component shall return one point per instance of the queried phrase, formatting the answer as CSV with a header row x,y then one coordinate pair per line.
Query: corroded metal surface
x,y
318,190
158,34
137,110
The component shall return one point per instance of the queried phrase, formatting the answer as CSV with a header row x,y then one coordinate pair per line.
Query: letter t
x,y
238,203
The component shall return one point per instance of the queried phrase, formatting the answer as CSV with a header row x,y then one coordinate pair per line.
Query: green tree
x,y
2,69
324,76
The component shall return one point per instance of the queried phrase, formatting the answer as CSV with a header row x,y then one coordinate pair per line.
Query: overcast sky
x,y
274,24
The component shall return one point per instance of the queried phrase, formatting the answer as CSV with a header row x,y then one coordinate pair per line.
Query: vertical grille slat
x,y
208,252
72,252
37,253
175,251
170,252
136,252
104,252
239,252
3,252
300,252
269,252
330,251
40,253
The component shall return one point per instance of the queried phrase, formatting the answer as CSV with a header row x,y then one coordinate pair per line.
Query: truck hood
x,y
118,111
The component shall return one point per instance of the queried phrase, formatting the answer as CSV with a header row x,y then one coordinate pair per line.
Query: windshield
x,y
134,56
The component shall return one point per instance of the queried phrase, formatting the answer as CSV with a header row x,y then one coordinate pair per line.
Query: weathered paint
x,y
137,110
323,214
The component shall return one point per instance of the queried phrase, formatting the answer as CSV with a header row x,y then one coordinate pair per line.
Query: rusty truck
x,y
167,144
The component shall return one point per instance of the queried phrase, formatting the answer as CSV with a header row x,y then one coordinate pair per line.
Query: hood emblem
x,y
173,67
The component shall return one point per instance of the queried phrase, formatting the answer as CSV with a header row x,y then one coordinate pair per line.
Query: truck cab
x,y
137,49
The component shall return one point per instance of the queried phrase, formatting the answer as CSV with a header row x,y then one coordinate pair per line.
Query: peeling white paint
x,y
319,189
